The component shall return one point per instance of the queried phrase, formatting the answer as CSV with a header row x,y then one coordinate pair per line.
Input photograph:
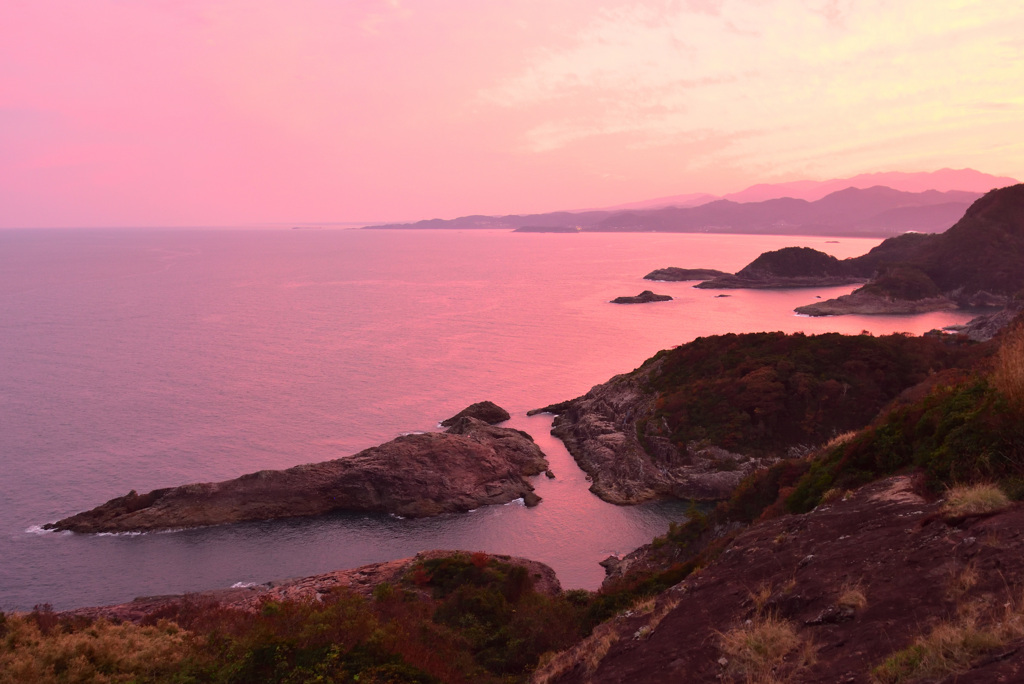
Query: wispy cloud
x,y
807,72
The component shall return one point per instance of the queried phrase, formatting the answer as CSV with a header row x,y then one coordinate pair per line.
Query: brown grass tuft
x,y
979,499
852,596
952,646
842,438
586,655
757,651
1008,369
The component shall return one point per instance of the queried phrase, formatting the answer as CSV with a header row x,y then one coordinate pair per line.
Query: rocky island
x,y
470,465
644,297
676,274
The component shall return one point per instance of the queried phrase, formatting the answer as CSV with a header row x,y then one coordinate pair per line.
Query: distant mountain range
x,y
943,180
896,203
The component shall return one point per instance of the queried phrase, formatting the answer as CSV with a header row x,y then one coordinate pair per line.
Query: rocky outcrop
x,y
644,297
788,267
867,303
472,464
487,411
985,327
251,597
602,431
676,274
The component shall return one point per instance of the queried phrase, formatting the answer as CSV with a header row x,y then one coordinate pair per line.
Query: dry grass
x,y
840,439
962,582
979,499
952,646
101,653
756,652
586,655
852,596
1008,369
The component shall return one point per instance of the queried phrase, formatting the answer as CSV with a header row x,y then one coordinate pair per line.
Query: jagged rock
x,y
471,465
487,411
644,297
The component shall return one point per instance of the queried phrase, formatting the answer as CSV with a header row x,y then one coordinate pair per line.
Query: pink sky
x,y
227,112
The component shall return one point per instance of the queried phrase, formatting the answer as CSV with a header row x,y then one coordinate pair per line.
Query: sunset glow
x,y
233,112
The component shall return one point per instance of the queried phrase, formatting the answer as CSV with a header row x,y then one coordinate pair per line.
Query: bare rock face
x,y
600,430
472,464
487,411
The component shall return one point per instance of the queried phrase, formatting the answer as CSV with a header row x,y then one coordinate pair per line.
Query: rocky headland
x,y
979,262
693,421
645,297
472,464
676,274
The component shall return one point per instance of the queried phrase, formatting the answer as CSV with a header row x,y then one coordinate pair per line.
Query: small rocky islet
x,y
645,297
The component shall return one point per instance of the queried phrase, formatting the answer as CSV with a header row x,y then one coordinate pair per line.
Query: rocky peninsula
x,y
644,297
472,464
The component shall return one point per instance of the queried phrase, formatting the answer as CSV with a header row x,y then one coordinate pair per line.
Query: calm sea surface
x,y
144,359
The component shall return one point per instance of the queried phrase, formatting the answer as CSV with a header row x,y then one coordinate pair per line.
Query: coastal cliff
x,y
470,465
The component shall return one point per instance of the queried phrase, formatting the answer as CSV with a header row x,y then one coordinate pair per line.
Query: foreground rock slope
x,y
849,584
472,464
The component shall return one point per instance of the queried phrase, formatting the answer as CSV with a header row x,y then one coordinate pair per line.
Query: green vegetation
x,y
763,393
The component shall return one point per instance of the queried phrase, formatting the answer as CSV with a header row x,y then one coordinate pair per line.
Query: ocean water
x,y
136,359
